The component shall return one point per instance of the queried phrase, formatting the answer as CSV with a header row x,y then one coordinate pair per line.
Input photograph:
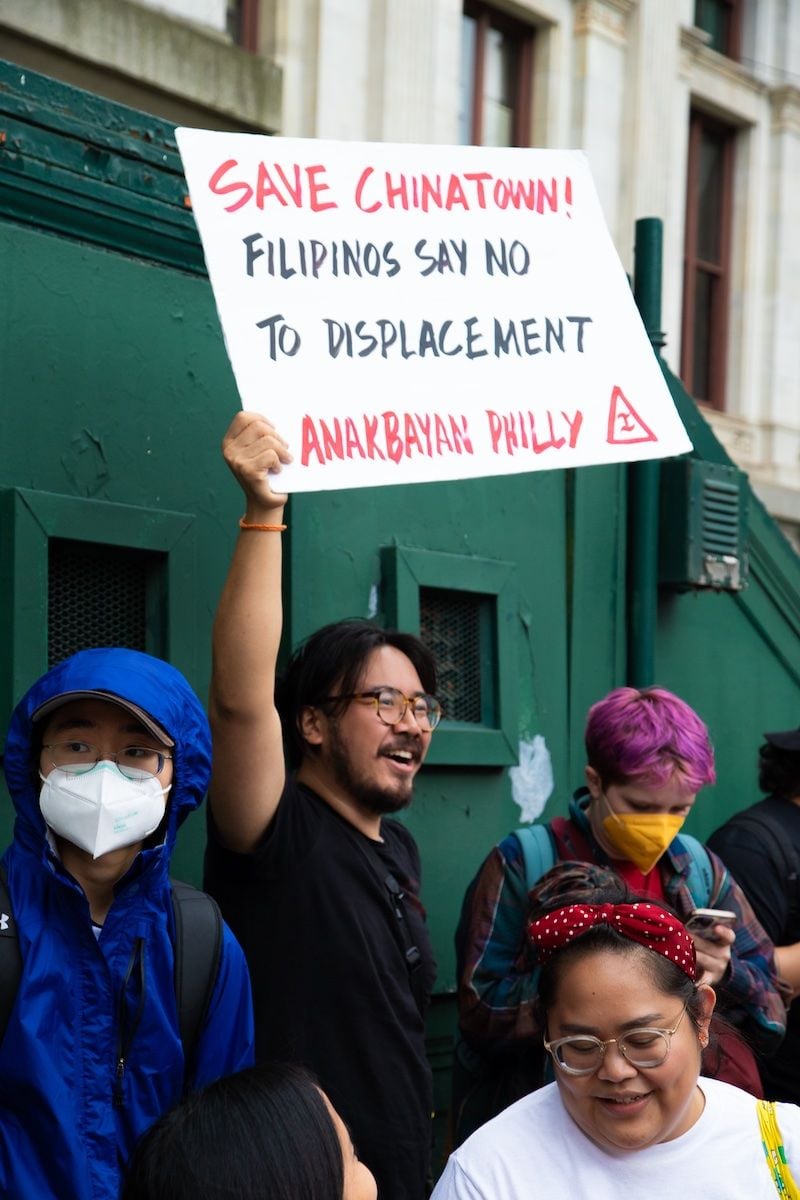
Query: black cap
x,y
790,740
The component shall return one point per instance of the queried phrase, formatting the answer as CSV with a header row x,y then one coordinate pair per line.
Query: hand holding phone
x,y
701,921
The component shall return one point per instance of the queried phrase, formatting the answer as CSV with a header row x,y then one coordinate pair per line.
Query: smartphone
x,y
702,921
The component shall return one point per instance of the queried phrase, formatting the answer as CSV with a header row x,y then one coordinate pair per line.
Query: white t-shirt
x,y
535,1151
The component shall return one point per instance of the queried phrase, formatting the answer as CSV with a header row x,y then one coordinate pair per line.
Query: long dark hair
x,y
265,1132
332,661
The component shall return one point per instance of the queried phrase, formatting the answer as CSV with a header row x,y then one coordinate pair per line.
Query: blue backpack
x,y
198,950
539,851
483,1084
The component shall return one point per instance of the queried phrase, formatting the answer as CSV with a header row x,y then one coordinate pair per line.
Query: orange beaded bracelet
x,y
261,528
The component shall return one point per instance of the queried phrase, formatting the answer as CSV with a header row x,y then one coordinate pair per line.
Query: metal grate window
x,y
97,596
453,625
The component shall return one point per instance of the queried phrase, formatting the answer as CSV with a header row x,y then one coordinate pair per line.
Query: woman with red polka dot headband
x,y
625,1023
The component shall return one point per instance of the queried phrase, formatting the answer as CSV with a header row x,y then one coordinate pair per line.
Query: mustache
x,y
404,741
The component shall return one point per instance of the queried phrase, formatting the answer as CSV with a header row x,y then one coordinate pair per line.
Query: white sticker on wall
x,y
532,781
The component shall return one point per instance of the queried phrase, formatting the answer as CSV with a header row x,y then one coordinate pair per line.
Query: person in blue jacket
x,y
105,757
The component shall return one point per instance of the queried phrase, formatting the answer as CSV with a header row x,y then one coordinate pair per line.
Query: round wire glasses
x,y
79,758
391,706
582,1054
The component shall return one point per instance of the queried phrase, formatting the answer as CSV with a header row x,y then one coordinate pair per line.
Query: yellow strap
x,y
772,1142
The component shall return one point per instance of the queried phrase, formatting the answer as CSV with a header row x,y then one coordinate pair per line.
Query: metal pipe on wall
x,y
643,477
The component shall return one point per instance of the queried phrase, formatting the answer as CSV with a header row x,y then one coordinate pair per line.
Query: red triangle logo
x,y
625,426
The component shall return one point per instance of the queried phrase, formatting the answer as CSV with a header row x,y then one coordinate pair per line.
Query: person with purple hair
x,y
648,756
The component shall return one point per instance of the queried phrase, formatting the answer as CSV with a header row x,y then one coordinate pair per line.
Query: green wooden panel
x,y
596,537
21,587
733,655
734,658
127,406
404,572
115,389
710,653
82,166
30,519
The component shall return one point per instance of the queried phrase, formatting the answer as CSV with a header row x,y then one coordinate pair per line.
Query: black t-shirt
x,y
327,956
753,860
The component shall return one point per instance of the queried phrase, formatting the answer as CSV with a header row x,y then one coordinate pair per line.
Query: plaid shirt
x,y
498,978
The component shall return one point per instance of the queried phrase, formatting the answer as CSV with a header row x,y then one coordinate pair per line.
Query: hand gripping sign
x,y
409,313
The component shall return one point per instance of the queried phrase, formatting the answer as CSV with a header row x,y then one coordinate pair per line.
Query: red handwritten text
x,y
389,437
470,190
302,186
513,432
299,186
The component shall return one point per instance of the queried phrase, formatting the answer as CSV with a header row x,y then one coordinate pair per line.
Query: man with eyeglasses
x,y
106,755
317,881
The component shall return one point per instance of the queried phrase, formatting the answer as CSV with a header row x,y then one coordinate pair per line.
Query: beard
x,y
369,797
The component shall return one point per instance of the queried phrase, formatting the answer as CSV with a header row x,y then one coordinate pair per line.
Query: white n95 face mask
x,y
102,810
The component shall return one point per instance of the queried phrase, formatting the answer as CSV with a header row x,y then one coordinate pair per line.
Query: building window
x,y
464,609
707,259
496,65
242,23
80,573
722,19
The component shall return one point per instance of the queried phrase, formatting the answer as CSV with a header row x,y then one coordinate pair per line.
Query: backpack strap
x,y
10,957
396,895
411,952
700,879
781,851
571,842
198,949
538,851
775,1151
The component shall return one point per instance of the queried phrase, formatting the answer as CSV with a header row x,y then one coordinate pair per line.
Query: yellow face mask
x,y
641,837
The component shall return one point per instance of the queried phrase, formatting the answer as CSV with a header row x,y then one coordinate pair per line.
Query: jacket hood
x,y
147,682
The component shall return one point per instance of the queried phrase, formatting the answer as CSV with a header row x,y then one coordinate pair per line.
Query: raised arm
x,y
248,765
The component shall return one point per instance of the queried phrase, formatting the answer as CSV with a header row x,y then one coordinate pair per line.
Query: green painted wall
x,y
116,388
742,692
128,406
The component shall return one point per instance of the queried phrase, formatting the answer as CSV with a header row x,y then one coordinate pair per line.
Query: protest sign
x,y
406,313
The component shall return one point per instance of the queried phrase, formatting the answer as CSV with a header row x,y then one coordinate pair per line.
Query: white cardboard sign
x,y
409,313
